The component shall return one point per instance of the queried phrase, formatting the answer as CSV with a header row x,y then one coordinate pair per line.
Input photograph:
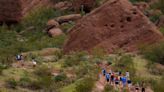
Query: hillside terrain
x,y
64,45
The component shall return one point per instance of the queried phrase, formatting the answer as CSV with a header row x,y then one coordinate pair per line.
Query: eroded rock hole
x,y
129,19
122,26
106,25
112,25
134,12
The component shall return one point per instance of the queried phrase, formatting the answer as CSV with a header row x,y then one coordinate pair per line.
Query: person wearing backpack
x,y
107,76
104,71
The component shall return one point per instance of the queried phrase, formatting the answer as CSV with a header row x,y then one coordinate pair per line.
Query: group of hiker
x,y
119,80
20,59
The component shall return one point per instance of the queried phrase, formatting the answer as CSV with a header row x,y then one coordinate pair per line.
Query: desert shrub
x,y
60,77
43,70
84,85
108,88
147,81
74,59
66,26
155,18
86,68
154,68
25,81
154,53
2,67
162,30
125,63
158,5
45,81
98,52
38,18
158,87
11,83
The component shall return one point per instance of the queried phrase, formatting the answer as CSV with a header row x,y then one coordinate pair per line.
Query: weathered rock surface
x,y
67,18
55,32
142,6
53,23
117,24
12,10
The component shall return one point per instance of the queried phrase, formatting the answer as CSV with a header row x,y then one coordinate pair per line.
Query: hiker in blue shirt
x,y
107,76
123,79
103,71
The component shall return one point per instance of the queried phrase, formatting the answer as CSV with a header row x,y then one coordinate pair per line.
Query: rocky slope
x,y
13,10
116,24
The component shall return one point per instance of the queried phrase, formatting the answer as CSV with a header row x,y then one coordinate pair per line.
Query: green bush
x,y
43,70
2,67
155,18
74,59
154,53
125,63
158,5
85,85
60,77
11,83
25,81
108,88
158,87
162,30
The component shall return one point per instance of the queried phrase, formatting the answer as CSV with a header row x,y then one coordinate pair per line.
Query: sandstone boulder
x,y
53,23
67,18
55,32
63,5
117,24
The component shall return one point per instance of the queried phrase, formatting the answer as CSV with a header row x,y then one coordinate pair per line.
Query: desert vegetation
x,y
58,71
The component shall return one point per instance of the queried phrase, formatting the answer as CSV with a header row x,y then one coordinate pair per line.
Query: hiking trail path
x,y
101,83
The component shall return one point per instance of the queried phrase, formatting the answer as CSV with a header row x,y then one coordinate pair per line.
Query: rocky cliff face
x,y
12,10
115,25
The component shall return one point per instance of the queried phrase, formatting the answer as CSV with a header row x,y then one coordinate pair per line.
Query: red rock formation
x,y
10,11
114,25
13,10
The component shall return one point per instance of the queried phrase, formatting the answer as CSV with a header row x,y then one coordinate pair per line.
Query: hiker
x,y
18,57
34,62
129,83
127,74
112,78
117,82
107,76
123,79
119,73
137,87
143,87
103,71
